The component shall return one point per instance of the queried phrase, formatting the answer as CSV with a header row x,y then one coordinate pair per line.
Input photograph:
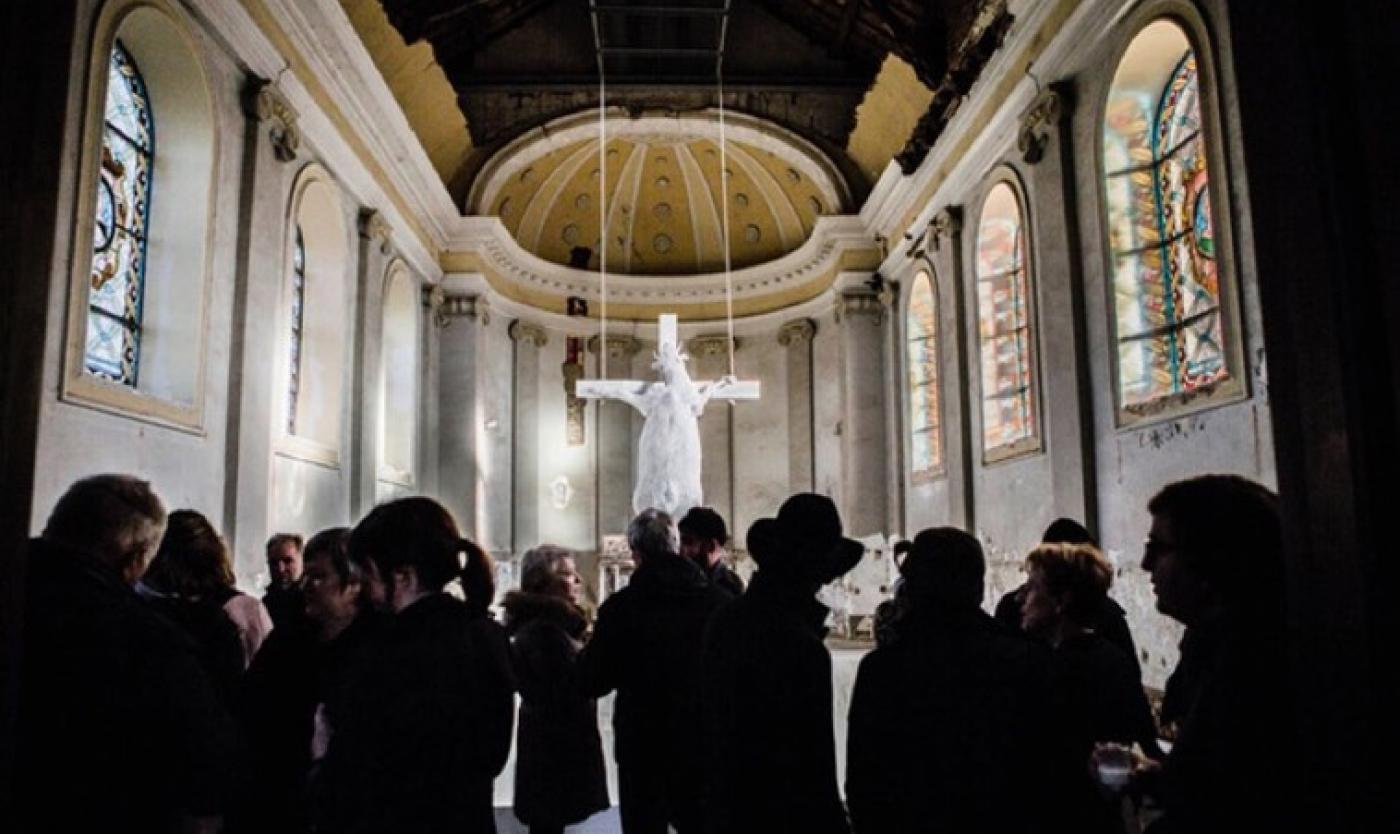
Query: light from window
x,y
1003,325
113,345
1161,229
298,318
926,447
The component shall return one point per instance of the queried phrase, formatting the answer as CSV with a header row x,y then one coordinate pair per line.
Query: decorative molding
x,y
373,227
433,298
797,332
711,345
619,347
523,331
463,306
264,102
947,223
1038,122
860,302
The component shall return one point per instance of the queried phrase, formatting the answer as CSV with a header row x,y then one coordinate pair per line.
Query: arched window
x,y
1171,337
139,306
296,322
123,216
925,433
1004,327
316,302
399,381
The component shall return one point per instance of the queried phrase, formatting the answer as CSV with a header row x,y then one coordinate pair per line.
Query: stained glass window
x,y
113,345
926,447
298,320
1004,325
1161,229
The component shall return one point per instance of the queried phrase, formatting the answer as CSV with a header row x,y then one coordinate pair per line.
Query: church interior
x,y
987,263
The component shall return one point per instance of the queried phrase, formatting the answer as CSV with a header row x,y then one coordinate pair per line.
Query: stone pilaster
x,y
374,254
528,338
796,336
945,255
458,321
861,317
616,433
709,360
270,142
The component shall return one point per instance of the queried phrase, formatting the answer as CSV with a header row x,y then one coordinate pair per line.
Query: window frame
x,y
1234,387
939,468
77,385
1034,443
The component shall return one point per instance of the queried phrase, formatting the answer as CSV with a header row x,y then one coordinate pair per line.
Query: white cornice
x,y
476,284
252,48
489,239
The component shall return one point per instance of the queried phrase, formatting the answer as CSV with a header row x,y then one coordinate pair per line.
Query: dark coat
x,y
559,776
723,577
646,645
119,728
1111,622
286,607
215,637
1229,769
293,675
1097,697
769,716
426,729
948,729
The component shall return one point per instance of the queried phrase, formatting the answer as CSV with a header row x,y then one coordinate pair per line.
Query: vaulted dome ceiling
x,y
663,197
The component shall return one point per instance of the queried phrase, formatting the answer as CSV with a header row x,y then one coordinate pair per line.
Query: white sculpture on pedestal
x,y
668,454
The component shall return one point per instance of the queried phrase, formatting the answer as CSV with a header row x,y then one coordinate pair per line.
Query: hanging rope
x,y
724,188
602,202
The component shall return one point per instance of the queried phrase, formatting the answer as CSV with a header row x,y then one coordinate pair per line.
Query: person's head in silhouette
x,y
943,568
115,520
1215,547
1065,590
416,549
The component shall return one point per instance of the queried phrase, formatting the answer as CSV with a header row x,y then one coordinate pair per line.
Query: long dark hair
x,y
420,533
193,559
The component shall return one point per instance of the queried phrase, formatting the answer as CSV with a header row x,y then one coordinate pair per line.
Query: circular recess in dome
x,y
665,192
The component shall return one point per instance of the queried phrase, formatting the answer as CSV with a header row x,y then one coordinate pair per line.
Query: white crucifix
x,y
668,454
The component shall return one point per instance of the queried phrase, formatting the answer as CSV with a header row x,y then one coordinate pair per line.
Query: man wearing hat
x,y
767,677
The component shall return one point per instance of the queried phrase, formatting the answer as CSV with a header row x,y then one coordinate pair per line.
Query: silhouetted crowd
x,y
373,690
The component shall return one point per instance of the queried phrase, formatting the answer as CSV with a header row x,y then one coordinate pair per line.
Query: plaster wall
x,y
828,406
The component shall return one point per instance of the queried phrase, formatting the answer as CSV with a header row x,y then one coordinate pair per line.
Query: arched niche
x,y
163,380
315,314
398,384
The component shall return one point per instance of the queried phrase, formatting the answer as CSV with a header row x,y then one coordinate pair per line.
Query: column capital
x,y
716,344
619,347
797,332
374,228
946,223
449,307
264,102
1037,122
860,302
524,331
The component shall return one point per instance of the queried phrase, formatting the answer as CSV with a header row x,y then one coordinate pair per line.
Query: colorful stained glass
x,y
121,218
298,320
1166,280
926,446
1004,324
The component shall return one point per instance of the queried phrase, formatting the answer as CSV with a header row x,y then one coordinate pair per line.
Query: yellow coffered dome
x,y
663,194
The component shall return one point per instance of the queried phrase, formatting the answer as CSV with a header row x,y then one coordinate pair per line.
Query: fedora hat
x,y
807,535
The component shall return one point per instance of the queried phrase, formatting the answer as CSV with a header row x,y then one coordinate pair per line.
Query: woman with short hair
x,y
559,776
1098,695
